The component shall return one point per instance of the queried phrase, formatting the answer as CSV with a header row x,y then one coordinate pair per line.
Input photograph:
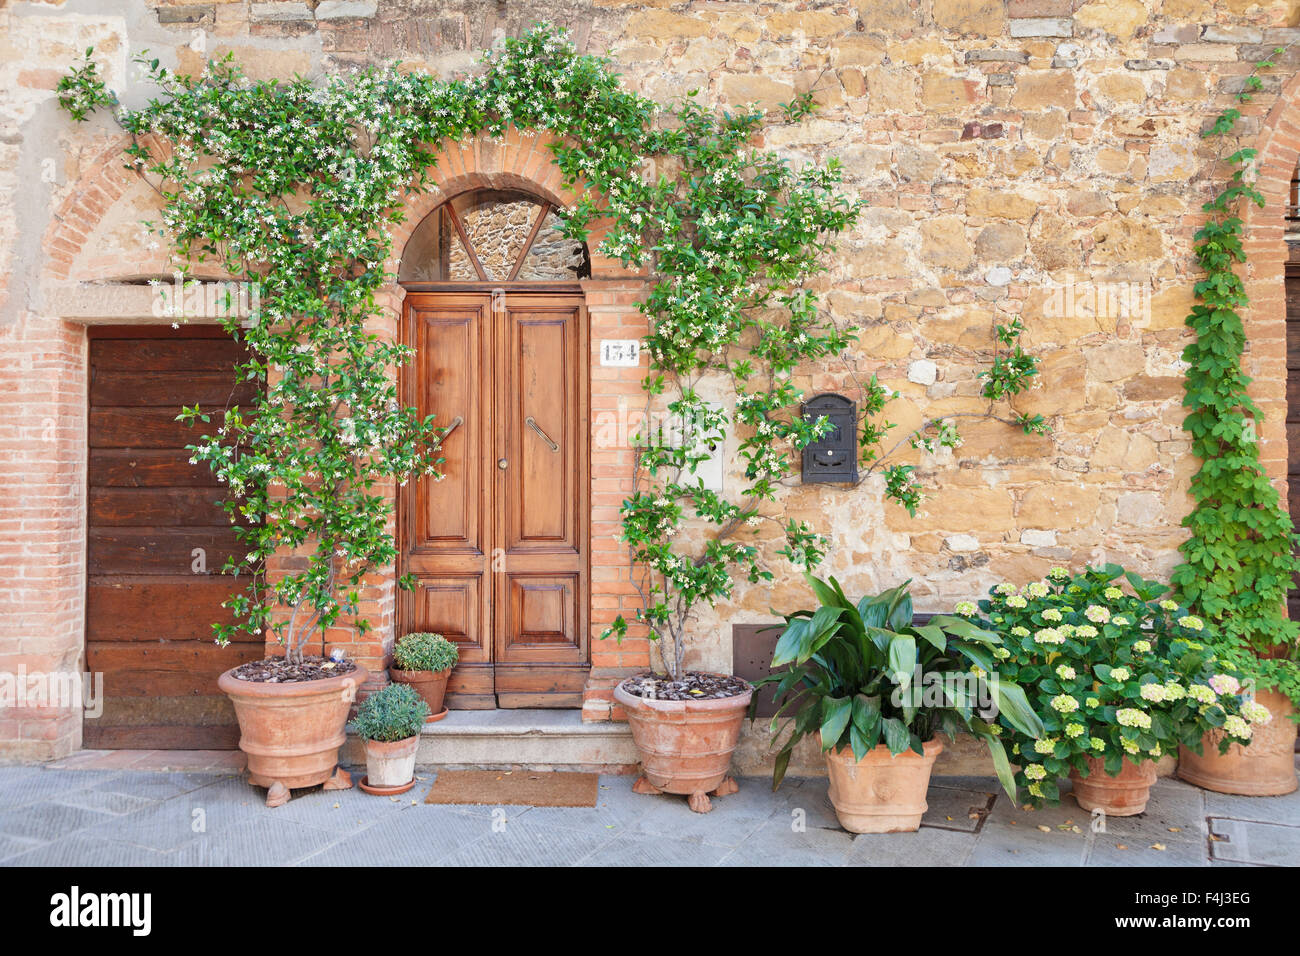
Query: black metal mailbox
x,y
834,456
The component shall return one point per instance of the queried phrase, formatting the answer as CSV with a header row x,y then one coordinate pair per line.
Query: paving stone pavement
x,y
125,817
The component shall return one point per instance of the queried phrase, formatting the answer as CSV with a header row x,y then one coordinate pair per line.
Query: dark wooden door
x,y
1293,402
156,540
498,547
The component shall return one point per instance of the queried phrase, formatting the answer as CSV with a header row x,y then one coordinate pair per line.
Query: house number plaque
x,y
621,353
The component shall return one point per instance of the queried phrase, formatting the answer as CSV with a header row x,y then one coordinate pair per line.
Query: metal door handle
x,y
455,423
537,428
502,464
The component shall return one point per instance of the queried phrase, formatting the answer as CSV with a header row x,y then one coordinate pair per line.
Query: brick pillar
x,y
42,525
617,402
378,589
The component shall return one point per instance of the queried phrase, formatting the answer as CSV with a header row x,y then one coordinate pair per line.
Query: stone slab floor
x,y
132,817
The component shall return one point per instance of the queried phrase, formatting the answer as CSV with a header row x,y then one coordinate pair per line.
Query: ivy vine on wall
x,y
1240,559
296,186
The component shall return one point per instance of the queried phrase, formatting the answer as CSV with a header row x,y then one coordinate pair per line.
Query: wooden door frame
x,y
414,295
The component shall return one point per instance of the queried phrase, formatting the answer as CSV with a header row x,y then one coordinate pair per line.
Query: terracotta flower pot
x,y
1265,768
1125,795
391,763
292,732
685,745
881,793
430,685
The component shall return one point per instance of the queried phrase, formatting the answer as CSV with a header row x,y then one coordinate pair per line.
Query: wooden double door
x,y
498,548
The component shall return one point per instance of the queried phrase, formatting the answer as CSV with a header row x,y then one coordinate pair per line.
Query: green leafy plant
x,y
297,187
863,674
1241,556
395,712
425,652
1113,674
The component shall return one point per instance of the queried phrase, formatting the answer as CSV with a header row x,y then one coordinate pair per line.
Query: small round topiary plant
x,y
394,713
425,652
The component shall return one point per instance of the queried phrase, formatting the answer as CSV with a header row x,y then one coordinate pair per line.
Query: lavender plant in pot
x,y
389,721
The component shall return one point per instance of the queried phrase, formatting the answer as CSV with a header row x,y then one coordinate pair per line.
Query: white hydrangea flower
x,y
1097,614
1256,712
1132,717
1234,726
1152,692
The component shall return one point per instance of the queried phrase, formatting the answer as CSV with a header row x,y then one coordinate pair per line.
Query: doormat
x,y
520,788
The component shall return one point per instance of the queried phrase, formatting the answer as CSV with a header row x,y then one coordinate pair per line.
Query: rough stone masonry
x,y
1031,158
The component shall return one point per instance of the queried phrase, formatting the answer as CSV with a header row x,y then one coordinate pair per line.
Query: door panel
x,y
446,524
498,547
542,390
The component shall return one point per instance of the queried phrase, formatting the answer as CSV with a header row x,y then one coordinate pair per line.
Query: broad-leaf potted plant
x,y
424,661
878,690
1119,678
389,722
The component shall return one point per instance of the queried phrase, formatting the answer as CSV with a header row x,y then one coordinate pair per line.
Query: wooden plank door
x,y
498,547
157,540
1293,404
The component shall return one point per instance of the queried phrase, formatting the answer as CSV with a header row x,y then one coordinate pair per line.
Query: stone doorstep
x,y
195,761
506,739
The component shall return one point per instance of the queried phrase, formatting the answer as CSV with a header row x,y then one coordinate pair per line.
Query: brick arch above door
x,y
520,160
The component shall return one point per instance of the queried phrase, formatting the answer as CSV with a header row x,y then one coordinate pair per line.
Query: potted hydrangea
x,y
424,661
389,721
1119,678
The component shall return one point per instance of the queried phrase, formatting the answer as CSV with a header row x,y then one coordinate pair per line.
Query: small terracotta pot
x,y
881,793
391,763
430,685
1264,768
685,745
1125,795
292,732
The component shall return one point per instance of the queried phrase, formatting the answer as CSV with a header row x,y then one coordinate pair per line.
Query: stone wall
x,y
1032,158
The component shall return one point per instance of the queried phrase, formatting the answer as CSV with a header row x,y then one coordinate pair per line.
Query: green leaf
x,y
902,659
897,736
835,717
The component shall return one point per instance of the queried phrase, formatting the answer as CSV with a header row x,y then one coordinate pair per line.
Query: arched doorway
x,y
498,550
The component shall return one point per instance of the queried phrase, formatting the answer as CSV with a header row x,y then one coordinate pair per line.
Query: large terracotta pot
x,y
391,763
430,685
292,732
685,745
881,793
1125,795
1265,768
